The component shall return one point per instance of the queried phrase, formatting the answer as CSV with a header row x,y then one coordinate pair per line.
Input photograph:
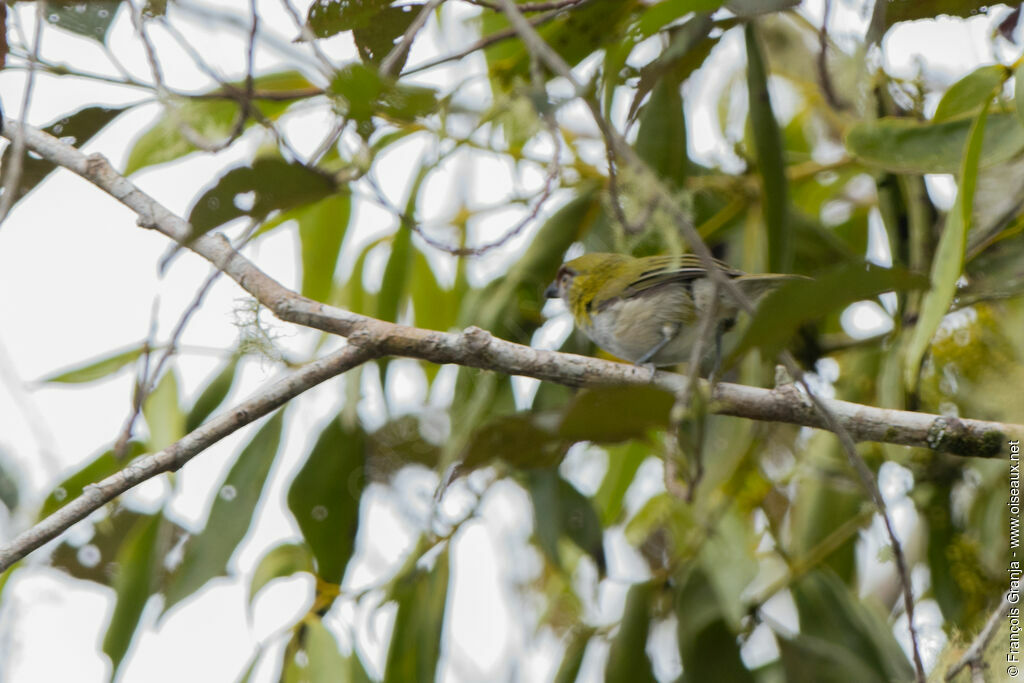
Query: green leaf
x,y
207,553
394,284
362,94
163,414
91,19
138,567
895,11
781,312
656,16
623,463
329,17
614,414
523,440
101,467
9,491
283,560
269,184
97,369
378,37
212,396
948,262
707,646
416,638
212,115
560,510
326,663
661,139
76,129
832,614
771,166
569,669
627,657
324,497
689,46
903,145
322,228
971,92
1018,93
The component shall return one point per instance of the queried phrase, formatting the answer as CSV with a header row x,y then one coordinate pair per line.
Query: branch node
x,y
782,377
477,339
96,164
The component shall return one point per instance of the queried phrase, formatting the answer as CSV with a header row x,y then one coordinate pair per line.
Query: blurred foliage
x,y
822,155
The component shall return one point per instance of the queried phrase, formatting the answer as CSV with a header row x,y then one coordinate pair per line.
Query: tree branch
x,y
477,348
177,454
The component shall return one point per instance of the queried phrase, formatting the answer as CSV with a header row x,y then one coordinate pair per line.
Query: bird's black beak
x,y
552,291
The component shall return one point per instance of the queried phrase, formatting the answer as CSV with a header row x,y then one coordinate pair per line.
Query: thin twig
x,y
824,77
12,181
976,651
94,496
390,64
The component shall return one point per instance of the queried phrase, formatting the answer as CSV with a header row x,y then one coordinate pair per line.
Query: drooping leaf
x,y
627,657
707,646
689,46
211,115
903,145
971,92
663,13
614,414
324,497
10,493
76,129
97,369
948,262
269,184
99,468
416,638
91,19
207,553
661,139
830,613
569,669
212,395
560,510
138,569
783,311
282,560
162,410
522,440
624,461
771,166
322,228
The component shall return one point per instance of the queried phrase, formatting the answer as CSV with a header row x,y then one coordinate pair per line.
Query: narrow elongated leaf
x,y
569,669
212,115
613,414
663,13
560,510
76,129
948,262
707,645
96,369
971,92
623,462
661,139
101,467
267,185
207,554
324,497
212,396
280,561
783,311
322,228
771,166
627,658
416,638
903,145
138,566
830,612
162,410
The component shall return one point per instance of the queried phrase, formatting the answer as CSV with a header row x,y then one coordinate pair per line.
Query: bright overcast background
x,y
78,278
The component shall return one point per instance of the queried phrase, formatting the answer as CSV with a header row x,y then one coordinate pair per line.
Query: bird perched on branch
x,y
647,310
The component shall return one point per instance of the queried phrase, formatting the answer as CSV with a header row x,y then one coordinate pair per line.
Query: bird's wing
x,y
659,270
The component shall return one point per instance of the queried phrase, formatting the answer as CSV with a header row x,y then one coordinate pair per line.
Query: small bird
x,y
647,310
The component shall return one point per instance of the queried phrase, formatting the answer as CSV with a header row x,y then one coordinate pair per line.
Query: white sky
x,y
77,278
